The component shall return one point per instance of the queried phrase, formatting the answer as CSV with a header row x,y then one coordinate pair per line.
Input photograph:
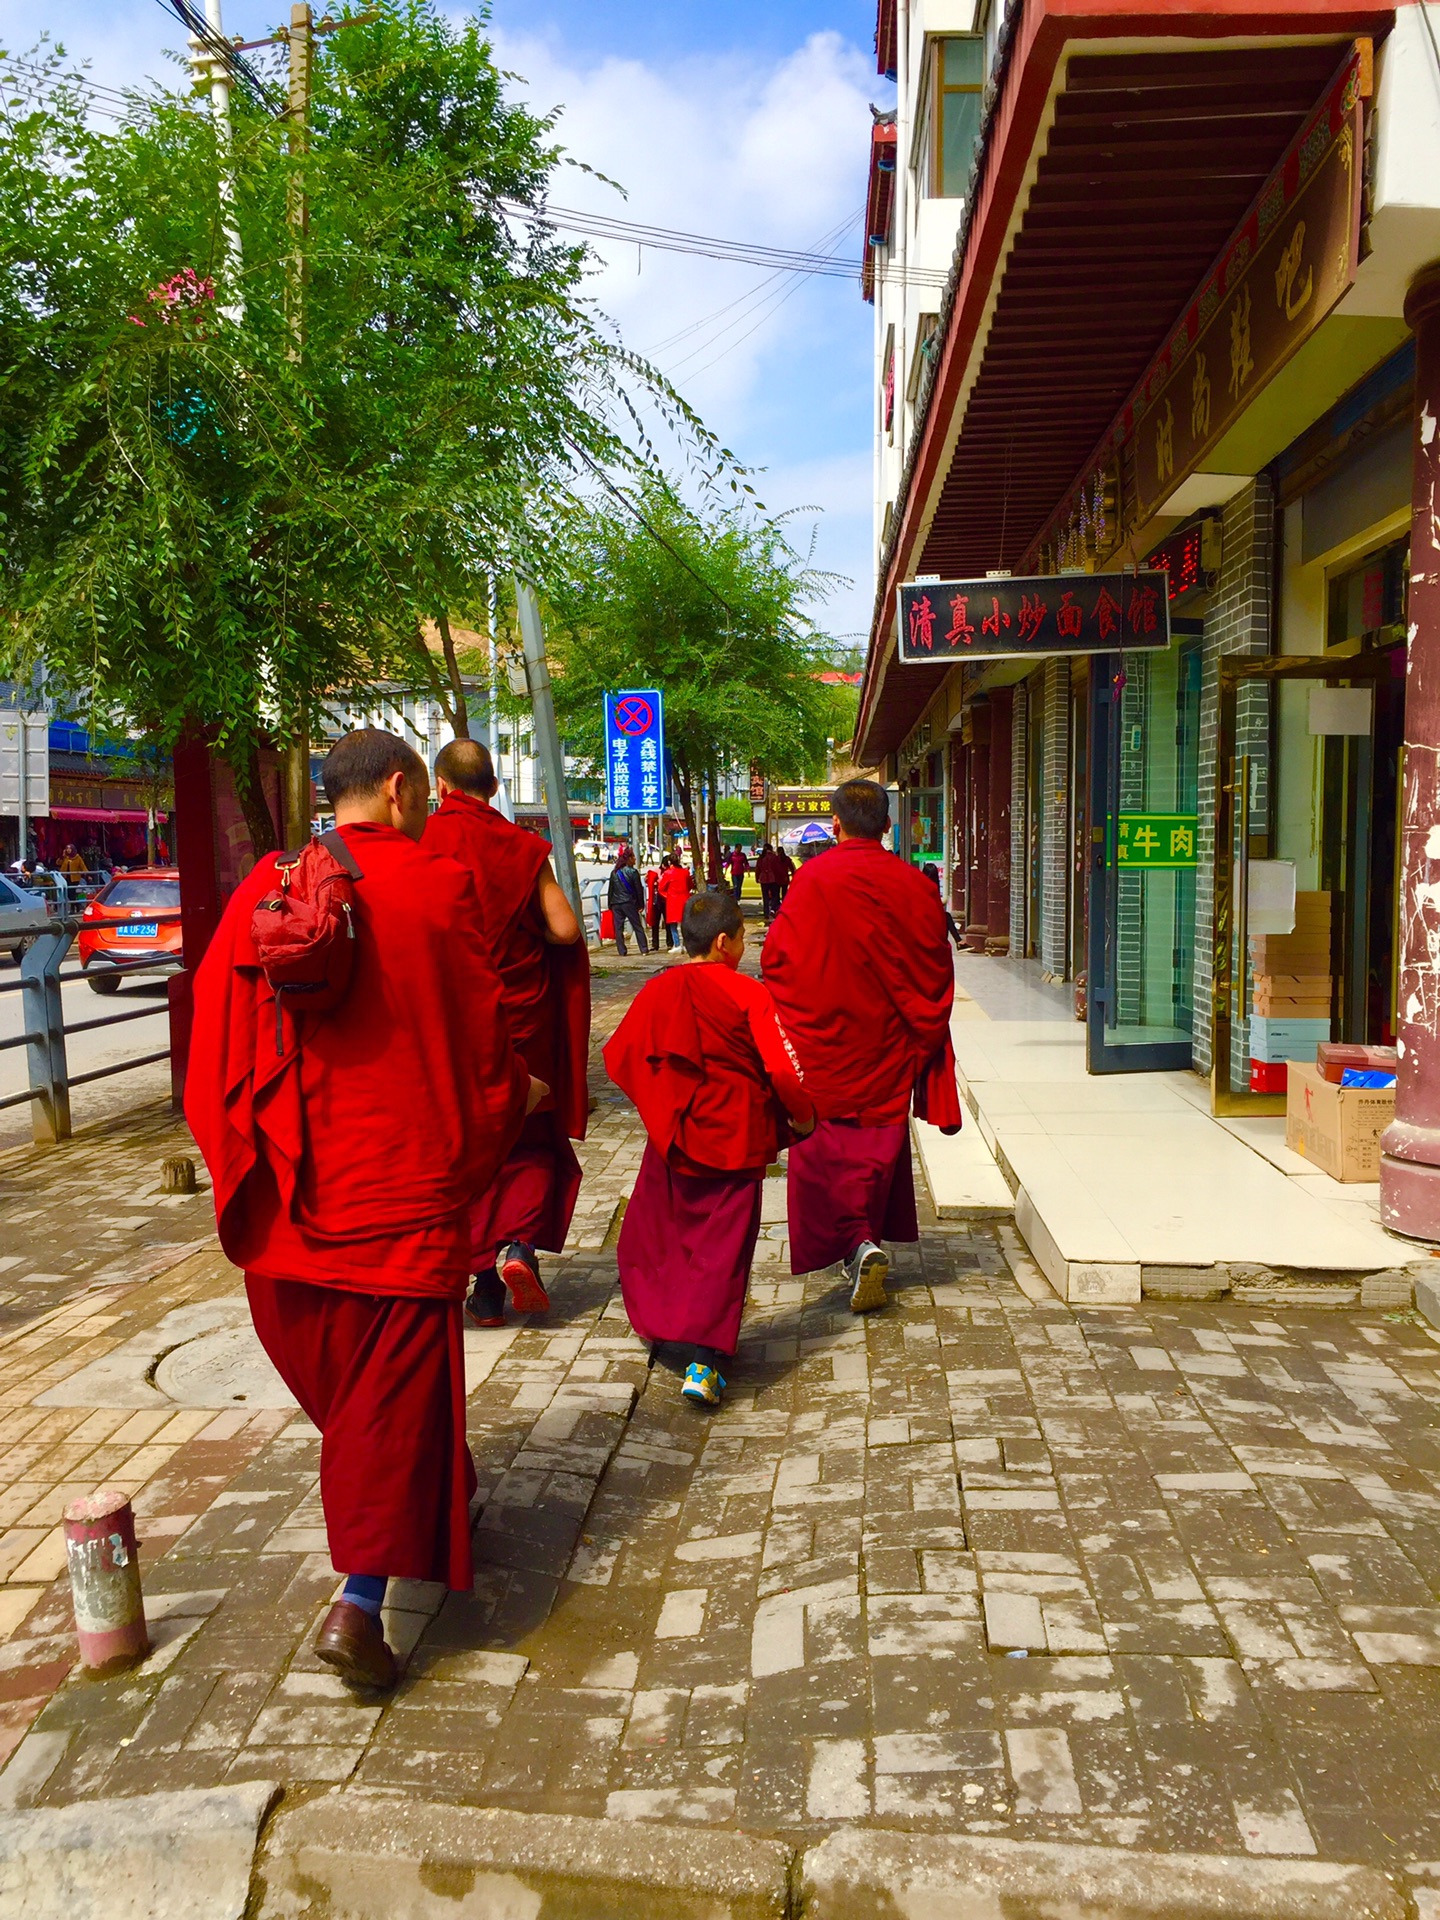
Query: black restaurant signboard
x,y
1053,613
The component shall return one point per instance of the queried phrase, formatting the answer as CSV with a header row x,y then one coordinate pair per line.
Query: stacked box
x,y
1291,987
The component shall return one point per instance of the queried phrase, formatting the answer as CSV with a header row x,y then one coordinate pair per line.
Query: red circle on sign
x,y
633,715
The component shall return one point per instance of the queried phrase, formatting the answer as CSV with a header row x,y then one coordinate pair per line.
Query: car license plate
x,y
139,930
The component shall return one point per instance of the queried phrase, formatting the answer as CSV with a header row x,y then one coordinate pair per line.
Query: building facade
x,y
1186,326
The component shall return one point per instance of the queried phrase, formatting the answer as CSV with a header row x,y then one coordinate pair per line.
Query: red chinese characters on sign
x,y
1001,616
1142,610
1032,615
961,632
995,619
922,624
1107,614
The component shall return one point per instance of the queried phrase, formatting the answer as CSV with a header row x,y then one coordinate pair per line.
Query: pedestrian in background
x,y
545,980
626,900
932,872
860,969
737,866
655,900
345,1148
774,870
675,890
703,1057
71,865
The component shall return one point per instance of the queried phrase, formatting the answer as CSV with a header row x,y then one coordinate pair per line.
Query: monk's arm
x,y
562,929
778,1058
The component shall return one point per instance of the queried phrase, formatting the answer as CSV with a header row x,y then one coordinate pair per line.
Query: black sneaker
x,y
520,1271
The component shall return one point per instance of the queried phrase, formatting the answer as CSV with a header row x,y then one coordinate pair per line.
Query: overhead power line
x,y
239,68
602,226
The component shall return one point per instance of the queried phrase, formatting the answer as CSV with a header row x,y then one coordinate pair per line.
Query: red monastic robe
x,y
705,1061
859,964
546,992
343,1167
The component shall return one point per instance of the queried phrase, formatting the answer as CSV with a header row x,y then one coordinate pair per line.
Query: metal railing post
x,y
45,1033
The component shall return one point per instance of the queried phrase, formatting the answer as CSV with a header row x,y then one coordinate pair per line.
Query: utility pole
x,y
295,802
206,60
547,742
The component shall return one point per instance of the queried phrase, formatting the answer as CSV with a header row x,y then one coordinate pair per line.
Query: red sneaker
x,y
520,1271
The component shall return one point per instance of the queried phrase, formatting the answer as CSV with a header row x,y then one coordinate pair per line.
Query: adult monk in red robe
x,y
860,969
545,979
703,1057
345,1147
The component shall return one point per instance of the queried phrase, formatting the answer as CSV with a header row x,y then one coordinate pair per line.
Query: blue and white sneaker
x,y
703,1386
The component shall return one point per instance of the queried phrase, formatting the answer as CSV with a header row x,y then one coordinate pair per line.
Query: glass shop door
x,y
1144,741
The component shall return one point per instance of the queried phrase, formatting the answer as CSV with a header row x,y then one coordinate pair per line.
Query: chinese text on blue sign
x,y
635,751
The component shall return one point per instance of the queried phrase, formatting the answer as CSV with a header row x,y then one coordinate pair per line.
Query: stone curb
x,y
375,1856
160,1856
865,1874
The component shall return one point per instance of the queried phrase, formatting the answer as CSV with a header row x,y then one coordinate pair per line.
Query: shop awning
x,y
114,816
1150,161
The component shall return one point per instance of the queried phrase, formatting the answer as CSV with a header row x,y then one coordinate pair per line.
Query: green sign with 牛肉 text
x,y
1156,840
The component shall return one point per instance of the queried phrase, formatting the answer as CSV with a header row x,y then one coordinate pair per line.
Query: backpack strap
x,y
334,844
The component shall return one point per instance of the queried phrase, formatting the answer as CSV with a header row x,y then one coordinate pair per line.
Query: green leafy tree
x,y
229,487
710,606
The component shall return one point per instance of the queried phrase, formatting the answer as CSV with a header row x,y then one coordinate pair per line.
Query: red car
x,y
136,916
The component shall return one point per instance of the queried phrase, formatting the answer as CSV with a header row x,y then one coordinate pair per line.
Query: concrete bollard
x,y
104,1560
177,1174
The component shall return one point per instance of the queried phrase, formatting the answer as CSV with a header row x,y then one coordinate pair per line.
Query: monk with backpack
x,y
352,1085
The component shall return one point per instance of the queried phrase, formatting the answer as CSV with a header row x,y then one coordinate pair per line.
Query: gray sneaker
x,y
866,1270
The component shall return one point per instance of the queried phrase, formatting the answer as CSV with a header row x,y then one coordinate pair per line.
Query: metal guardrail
x,y
45,1028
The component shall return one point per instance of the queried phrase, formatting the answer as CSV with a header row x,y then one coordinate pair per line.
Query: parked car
x,y
19,908
135,917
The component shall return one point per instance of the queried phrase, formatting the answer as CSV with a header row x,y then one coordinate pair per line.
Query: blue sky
x,y
744,120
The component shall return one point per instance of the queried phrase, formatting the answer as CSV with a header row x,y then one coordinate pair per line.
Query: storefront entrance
x,y
1144,734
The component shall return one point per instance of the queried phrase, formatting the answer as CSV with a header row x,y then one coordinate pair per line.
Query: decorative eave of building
x,y
879,198
1037,38
887,38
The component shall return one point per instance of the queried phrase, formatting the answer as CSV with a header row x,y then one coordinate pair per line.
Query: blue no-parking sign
x,y
635,751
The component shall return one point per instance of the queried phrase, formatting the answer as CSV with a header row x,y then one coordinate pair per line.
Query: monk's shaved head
x,y
863,808
360,763
706,917
466,764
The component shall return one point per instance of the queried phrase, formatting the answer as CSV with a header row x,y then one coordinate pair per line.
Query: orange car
x,y
136,916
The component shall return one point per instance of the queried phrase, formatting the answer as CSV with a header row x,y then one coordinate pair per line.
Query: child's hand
x,y
537,1093
802,1128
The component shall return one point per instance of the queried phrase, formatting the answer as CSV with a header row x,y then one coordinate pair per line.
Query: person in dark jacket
x,y
626,901
774,870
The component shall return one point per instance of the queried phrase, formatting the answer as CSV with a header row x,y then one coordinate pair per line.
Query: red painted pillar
x,y
960,815
197,856
977,905
1410,1146
998,909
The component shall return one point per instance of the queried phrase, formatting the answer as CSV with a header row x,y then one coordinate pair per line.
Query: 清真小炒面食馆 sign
x,y
1014,618
635,778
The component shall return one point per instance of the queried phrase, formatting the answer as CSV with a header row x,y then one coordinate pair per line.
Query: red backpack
x,y
304,929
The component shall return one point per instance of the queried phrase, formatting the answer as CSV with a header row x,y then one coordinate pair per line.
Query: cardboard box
x,y
1294,953
1312,911
1273,1008
1286,1039
1337,1129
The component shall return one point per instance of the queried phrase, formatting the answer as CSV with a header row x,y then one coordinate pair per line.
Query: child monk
x,y
718,1087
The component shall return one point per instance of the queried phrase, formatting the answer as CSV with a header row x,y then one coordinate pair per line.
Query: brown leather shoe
x,y
353,1642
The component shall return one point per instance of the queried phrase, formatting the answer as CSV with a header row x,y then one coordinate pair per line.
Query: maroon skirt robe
x,y
848,1183
684,1253
383,1378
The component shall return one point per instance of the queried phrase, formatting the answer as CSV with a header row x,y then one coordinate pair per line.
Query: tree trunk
x,y
692,825
250,792
457,711
714,870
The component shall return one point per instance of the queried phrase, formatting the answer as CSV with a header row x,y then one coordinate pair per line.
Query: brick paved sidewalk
x,y
1213,1533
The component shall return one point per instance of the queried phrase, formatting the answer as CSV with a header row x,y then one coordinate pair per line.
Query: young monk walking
x,y
535,940
345,1146
707,1064
860,969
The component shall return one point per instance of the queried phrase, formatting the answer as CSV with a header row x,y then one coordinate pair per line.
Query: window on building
x,y
1368,601
959,77
926,346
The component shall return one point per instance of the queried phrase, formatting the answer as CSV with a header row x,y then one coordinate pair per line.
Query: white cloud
x,y
778,366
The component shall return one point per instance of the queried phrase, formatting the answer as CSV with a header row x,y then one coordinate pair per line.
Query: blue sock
x,y
366,1591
